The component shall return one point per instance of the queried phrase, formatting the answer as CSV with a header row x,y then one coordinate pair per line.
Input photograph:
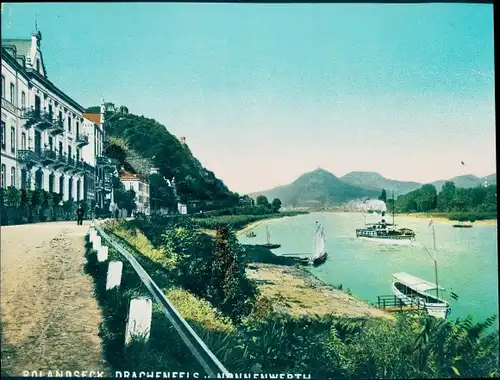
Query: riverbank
x,y
295,291
443,217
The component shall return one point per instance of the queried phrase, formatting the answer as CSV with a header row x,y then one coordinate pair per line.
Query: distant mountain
x,y
375,181
319,187
467,180
491,179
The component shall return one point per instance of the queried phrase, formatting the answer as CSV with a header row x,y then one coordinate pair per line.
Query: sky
x,y
266,92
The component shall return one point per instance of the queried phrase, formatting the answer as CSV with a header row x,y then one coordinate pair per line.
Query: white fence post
x,y
114,278
102,253
96,244
139,319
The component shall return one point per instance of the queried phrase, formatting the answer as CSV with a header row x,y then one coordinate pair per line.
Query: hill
x,y
319,187
375,181
152,141
467,181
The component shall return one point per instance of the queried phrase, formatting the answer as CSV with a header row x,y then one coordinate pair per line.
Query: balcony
x,y
107,186
59,162
88,168
71,165
57,127
108,164
80,167
82,140
48,157
28,157
37,118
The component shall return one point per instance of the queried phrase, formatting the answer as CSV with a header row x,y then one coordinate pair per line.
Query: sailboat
x,y
319,254
269,245
415,291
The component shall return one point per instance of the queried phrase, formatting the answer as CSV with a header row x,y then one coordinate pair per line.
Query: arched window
x,y
61,185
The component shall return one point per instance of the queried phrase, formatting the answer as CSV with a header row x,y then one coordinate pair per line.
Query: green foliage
x,y
383,196
262,201
152,140
229,288
276,204
12,197
413,346
239,221
474,200
161,195
22,206
198,311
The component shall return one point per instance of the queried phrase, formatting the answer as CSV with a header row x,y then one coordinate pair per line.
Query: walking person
x,y
79,215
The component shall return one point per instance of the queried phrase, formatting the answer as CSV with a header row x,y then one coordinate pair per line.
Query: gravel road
x,y
50,317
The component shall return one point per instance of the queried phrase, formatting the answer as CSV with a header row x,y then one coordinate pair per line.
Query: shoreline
x,y
444,219
252,225
297,292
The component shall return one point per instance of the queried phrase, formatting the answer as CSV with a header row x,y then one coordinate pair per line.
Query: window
x,y
23,99
3,86
2,181
61,185
51,183
38,65
23,141
51,143
69,124
13,176
24,183
77,128
70,189
13,93
3,135
12,140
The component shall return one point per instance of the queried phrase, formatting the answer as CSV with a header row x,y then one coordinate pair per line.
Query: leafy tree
x,y
383,196
161,195
446,196
152,140
229,288
262,201
276,204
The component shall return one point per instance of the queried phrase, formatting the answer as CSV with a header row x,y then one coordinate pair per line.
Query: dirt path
x,y
50,318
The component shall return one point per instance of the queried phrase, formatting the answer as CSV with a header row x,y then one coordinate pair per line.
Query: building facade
x,y
140,185
47,142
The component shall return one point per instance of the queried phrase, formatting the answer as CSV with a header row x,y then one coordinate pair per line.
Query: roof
x,y
126,176
93,117
414,282
22,46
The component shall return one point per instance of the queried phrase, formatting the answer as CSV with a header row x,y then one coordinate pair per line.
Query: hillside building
x,y
140,185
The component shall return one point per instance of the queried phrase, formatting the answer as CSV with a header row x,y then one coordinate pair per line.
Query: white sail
x,y
320,243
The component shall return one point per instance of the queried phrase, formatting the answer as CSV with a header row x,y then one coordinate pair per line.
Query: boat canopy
x,y
415,283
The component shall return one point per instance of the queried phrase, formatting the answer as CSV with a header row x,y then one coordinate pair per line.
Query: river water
x,y
467,257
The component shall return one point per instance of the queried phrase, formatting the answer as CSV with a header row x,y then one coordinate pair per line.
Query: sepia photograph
x,y
248,190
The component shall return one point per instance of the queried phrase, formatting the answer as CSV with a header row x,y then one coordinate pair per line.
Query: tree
x,y
229,288
276,204
161,194
262,201
383,196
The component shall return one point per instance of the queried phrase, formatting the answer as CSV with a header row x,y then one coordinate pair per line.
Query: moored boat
x,y
319,254
414,291
269,245
462,225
